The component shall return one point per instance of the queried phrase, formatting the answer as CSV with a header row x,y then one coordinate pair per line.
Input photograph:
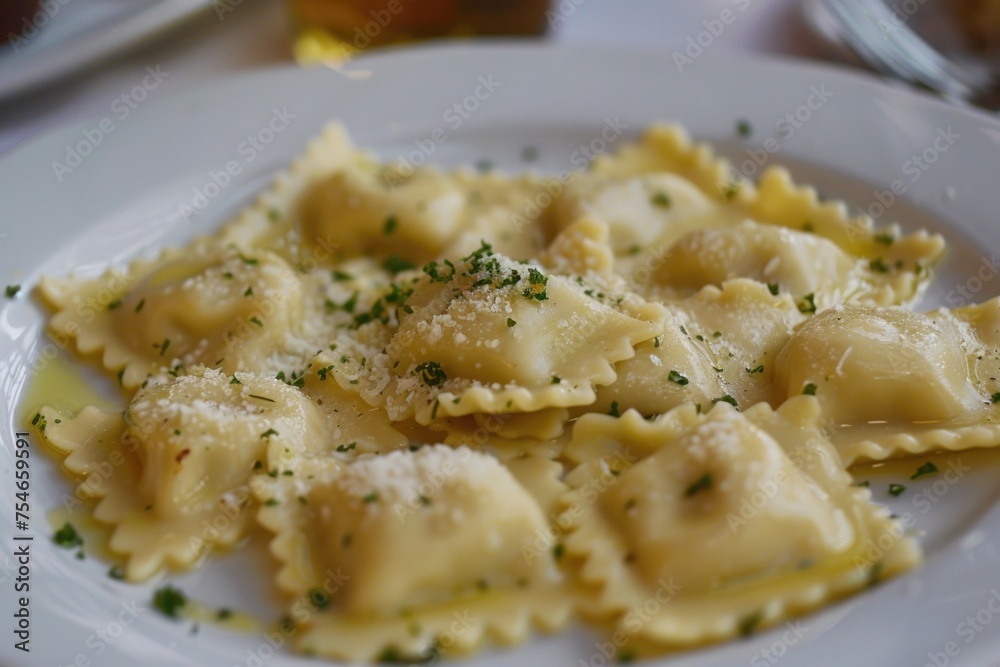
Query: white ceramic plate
x,y
65,36
125,196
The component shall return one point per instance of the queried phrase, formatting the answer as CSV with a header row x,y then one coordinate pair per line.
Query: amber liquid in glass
x,y
360,24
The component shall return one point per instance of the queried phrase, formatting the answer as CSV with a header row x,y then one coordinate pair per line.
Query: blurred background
x,y
64,61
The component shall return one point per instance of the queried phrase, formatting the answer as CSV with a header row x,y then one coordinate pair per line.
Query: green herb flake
x,y
347,448
117,572
390,226
340,276
139,306
511,322
249,292
249,261
529,153
926,469
556,379
558,551
223,614
661,199
271,502
169,601
885,238
703,483
614,409
754,371
878,265
809,389
256,320
371,497
748,624
319,597
773,288
726,398
12,291
677,378
743,128
431,373
114,304
67,537
896,489
268,433
995,397
808,303
626,656
395,264
863,483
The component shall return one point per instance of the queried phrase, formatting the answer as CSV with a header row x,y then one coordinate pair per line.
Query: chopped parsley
x,y
863,483
371,497
436,271
556,379
484,165
431,373
995,398
529,153
884,238
235,381
808,303
558,551
390,225
268,433
223,614
703,483
169,601
256,320
142,302
634,249
809,389
926,469
67,537
677,378
511,322
12,291
249,261
614,409
319,597
536,289
657,342
114,304
896,489
249,292
340,276
271,502
395,264
755,371
39,421
773,288
347,448
726,398
660,199
878,265
743,128
626,656
748,624
117,572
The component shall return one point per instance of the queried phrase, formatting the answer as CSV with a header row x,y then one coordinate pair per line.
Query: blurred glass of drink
x,y
354,25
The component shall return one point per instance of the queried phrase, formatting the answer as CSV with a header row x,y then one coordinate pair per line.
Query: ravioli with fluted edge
x,y
465,407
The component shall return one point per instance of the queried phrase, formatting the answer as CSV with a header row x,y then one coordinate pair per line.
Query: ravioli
x,y
468,405
721,517
891,380
472,518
